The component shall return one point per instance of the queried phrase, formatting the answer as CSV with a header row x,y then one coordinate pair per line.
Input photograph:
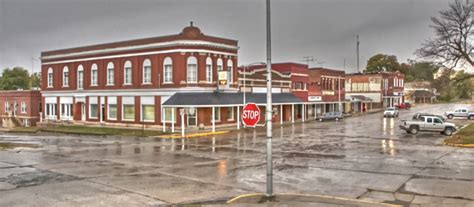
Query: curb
x,y
459,145
178,136
314,196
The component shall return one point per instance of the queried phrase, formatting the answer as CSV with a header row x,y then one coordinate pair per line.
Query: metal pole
x,y
269,107
358,69
244,84
339,93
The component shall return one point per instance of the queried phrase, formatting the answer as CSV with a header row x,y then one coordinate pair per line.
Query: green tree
x,y
35,79
443,85
16,78
462,85
423,70
382,62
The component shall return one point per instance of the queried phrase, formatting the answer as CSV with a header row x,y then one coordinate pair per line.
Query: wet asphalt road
x,y
365,157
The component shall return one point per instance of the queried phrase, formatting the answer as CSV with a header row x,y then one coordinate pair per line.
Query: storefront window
x,y
112,110
129,112
93,111
148,112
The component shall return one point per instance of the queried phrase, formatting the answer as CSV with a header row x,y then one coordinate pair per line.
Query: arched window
x,y
65,76
209,70
127,73
146,71
94,74
230,71
80,77
219,65
168,70
50,77
191,70
110,73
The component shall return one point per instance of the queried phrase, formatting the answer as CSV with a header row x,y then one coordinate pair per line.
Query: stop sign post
x,y
250,115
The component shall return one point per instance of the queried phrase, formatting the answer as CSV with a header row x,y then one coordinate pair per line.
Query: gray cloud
x,y
325,29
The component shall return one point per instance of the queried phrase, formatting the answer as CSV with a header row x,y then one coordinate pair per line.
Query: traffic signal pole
x,y
268,108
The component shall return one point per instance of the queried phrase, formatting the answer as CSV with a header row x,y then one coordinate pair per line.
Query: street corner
x,y
296,199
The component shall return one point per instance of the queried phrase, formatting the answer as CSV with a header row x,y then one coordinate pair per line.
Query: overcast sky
x,y
324,29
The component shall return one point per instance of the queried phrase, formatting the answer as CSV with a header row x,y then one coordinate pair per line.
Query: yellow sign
x,y
222,77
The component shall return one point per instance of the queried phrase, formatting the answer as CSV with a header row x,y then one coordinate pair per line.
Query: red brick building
x,y
20,108
326,91
188,78
377,90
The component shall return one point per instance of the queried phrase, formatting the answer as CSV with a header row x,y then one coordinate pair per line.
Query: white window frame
x,y
7,107
127,73
94,78
65,76
23,107
90,111
230,71
220,65
209,70
110,74
217,111
169,117
191,73
50,77
233,115
80,81
112,101
130,100
146,72
168,70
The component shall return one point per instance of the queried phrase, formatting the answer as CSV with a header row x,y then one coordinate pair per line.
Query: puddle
x,y
13,145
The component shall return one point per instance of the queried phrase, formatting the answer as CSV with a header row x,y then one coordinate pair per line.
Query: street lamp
x,y
245,67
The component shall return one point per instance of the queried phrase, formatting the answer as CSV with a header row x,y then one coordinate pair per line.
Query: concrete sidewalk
x,y
292,199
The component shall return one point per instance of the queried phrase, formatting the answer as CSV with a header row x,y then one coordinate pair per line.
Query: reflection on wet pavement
x,y
355,158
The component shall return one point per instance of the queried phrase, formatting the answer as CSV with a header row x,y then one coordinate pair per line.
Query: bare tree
x,y
452,45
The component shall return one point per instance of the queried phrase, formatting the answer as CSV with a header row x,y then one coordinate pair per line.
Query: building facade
x,y
20,108
326,91
184,80
374,90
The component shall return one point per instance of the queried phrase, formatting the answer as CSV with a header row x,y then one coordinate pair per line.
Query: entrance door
x,y
103,112
192,117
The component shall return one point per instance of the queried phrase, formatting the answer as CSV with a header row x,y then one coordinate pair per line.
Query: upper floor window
x,y
229,71
168,70
65,76
80,77
110,73
208,70
94,75
219,65
23,107
146,71
192,70
7,106
50,77
127,73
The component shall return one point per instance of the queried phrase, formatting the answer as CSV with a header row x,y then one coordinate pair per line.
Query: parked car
x,y
331,116
418,115
462,112
390,112
405,105
428,123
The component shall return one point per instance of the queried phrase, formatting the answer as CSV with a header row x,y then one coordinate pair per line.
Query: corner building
x,y
128,83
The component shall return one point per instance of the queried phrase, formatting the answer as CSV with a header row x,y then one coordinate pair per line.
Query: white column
x,y
163,122
182,125
238,117
292,113
281,114
212,119
172,119
303,112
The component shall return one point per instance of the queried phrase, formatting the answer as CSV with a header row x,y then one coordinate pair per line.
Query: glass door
x,y
192,117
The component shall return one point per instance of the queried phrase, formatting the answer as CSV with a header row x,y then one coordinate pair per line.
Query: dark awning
x,y
359,98
228,99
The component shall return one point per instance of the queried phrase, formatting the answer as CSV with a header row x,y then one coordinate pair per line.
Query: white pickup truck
x,y
428,123
462,112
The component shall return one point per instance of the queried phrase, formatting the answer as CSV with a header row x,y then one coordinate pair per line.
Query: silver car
x,y
390,112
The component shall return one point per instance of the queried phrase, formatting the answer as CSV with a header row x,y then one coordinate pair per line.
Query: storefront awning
x,y
227,99
358,98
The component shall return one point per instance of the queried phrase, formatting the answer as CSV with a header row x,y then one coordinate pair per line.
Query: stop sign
x,y
250,115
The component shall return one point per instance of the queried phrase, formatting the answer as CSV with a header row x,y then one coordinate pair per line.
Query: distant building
x,y
382,89
326,91
420,92
20,108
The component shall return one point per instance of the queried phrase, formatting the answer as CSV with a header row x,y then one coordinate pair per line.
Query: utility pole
x,y
269,107
358,68
308,59
321,63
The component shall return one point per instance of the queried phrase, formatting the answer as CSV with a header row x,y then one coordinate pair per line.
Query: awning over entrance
x,y
227,99
357,98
